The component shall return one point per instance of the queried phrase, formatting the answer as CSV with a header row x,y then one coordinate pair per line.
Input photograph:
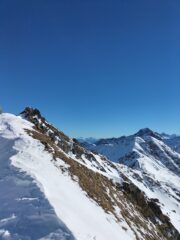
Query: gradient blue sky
x,y
93,67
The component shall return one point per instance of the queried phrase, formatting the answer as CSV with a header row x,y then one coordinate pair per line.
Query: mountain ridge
x,y
147,160
103,194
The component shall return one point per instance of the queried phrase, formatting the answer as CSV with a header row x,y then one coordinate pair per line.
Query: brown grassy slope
x,y
139,213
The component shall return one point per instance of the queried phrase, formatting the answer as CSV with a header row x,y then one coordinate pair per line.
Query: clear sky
x,y
93,67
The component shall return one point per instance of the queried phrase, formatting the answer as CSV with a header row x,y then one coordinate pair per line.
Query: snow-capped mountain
x,y
172,140
89,140
53,188
150,164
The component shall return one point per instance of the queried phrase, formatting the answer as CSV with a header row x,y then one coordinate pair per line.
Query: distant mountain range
x,y
172,140
151,161
55,187
89,140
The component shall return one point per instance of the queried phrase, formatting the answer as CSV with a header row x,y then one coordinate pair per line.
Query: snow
x,y
109,170
21,216
151,165
8,219
172,140
87,140
164,193
112,150
4,234
81,215
26,199
155,183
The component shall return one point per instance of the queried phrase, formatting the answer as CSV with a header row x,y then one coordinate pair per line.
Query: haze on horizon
x,y
93,68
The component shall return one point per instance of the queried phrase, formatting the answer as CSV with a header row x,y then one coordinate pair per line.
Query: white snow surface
x,y
172,140
83,217
151,165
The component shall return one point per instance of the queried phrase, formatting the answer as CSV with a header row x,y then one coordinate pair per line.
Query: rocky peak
x,y
47,130
31,113
147,132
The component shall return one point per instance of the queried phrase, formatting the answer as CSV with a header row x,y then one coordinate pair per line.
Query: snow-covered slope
x,y
151,164
71,204
172,140
52,188
25,212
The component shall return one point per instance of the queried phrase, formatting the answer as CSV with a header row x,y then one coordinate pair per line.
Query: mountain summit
x,y
54,188
147,132
150,163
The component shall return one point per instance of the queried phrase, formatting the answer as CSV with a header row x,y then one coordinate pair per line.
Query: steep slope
x,y
172,141
91,198
150,164
25,212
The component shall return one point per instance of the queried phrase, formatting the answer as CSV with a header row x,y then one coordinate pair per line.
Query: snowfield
x,y
44,198
150,164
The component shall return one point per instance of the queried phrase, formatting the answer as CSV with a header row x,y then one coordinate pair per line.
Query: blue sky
x,y
93,68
